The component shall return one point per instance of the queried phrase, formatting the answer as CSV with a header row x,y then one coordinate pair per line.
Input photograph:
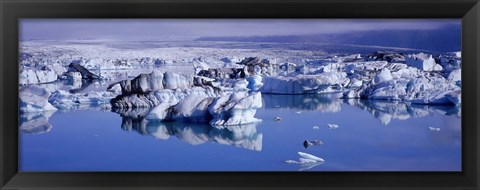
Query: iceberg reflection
x,y
35,122
385,111
243,136
305,102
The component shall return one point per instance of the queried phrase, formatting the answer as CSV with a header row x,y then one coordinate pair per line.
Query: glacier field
x,y
92,105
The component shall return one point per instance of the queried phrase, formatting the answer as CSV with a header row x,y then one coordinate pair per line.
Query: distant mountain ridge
x,y
447,39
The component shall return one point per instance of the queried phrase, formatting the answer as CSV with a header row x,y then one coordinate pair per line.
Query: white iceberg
x,y
304,84
423,61
34,98
332,126
65,100
235,109
306,161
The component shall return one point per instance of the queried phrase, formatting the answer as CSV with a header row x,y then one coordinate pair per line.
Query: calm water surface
x,y
372,136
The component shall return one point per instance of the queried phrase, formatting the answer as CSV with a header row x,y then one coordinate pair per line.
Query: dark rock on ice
x,y
86,74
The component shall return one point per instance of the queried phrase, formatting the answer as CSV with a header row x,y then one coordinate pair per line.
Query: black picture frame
x,y
12,10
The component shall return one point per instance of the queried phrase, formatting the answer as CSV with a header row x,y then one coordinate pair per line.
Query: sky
x,y
162,29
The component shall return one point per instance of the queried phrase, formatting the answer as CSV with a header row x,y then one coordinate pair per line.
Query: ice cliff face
x,y
234,109
154,81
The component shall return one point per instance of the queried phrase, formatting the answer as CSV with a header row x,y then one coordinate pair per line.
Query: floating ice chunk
x,y
422,90
67,101
34,98
277,118
332,126
316,127
307,161
434,129
310,157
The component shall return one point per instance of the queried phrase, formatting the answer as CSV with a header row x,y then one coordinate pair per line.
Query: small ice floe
x,y
316,127
298,112
434,129
306,161
332,126
308,143
277,119
277,106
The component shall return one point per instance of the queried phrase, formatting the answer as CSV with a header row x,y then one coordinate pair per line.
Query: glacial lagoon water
x,y
372,136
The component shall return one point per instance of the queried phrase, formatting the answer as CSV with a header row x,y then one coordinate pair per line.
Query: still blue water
x,y
372,136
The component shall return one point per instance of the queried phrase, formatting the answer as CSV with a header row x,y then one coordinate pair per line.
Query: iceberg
x,y
236,109
423,90
332,126
304,84
34,98
156,80
65,100
306,161
423,62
